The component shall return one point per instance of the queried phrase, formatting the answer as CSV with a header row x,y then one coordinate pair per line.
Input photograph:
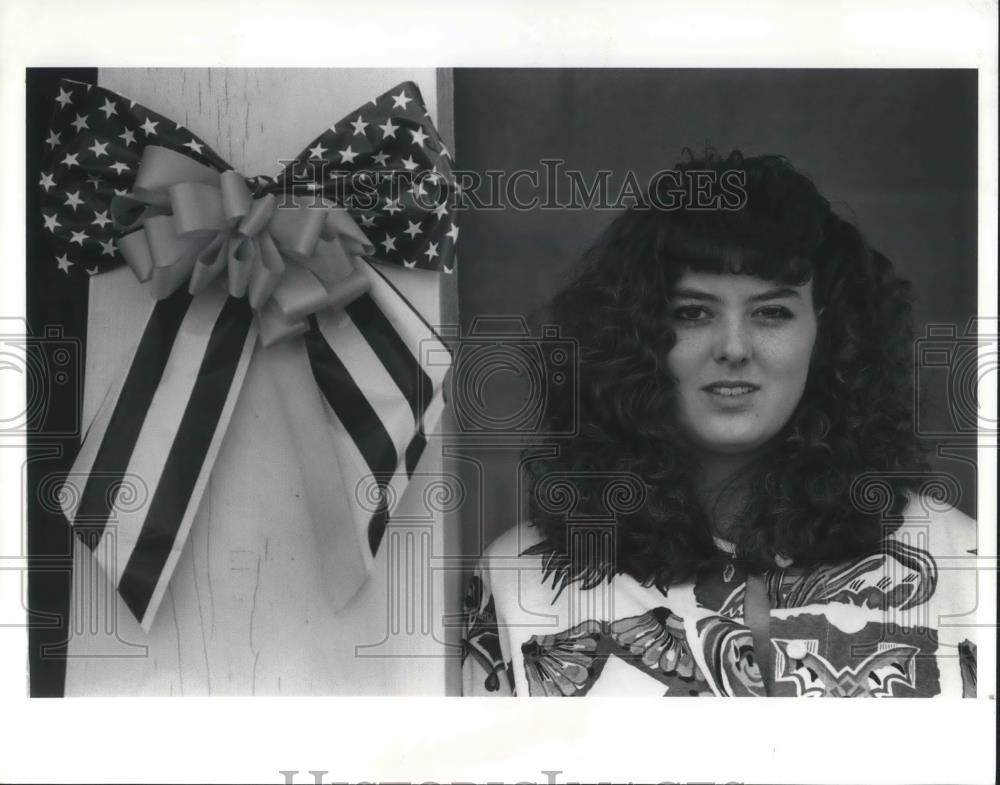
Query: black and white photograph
x,y
341,396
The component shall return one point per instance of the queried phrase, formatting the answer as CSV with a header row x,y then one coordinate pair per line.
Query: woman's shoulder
x,y
512,543
948,529
514,579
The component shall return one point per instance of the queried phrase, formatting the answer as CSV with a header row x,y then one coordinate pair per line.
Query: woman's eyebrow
x,y
774,294
698,294
694,294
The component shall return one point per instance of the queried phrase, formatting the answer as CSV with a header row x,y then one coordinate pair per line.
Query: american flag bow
x,y
232,262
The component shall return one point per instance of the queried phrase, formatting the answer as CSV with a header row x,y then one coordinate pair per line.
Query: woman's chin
x,y
730,444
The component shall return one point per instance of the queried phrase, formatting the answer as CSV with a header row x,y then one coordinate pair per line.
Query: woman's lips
x,y
730,389
730,394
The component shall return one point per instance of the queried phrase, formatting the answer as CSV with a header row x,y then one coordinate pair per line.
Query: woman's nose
x,y
733,344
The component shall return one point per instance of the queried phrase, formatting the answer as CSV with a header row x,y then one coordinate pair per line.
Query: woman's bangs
x,y
722,259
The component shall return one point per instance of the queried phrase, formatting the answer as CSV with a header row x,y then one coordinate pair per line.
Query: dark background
x,y
56,304
894,150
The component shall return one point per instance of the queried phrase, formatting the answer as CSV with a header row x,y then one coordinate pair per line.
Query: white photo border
x,y
447,739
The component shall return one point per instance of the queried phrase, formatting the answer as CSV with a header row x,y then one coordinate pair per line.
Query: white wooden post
x,y
246,612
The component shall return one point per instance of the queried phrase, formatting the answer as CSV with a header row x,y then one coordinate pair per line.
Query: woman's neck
x,y
723,489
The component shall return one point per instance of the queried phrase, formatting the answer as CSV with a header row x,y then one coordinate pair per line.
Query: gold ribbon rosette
x,y
187,224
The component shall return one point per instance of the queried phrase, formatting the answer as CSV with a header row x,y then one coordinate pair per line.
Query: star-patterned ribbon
x,y
385,163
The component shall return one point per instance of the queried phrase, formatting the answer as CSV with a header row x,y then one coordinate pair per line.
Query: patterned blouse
x,y
898,622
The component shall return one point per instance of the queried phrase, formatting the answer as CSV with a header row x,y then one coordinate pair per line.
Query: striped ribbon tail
x,y
376,369
145,461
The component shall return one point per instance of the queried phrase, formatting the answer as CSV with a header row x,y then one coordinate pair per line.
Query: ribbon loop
x,y
128,213
161,167
209,264
236,197
138,257
267,272
259,215
196,208
298,229
299,293
242,252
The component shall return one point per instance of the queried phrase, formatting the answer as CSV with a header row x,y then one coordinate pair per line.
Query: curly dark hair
x,y
854,416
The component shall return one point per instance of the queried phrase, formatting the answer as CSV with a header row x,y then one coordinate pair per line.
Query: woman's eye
x,y
691,313
774,313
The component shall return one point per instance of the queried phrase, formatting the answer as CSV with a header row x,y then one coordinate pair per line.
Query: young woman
x,y
742,508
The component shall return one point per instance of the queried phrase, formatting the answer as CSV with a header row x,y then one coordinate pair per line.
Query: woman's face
x,y
741,358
